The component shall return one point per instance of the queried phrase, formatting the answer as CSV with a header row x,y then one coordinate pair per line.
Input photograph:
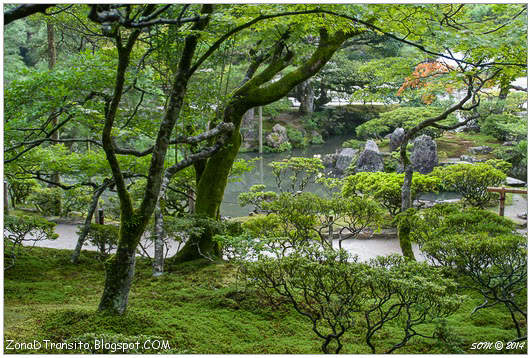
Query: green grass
x,y
198,307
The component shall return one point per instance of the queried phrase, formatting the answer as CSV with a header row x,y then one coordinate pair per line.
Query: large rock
x,y
396,138
470,159
344,158
329,160
276,138
424,156
514,182
483,149
370,159
371,145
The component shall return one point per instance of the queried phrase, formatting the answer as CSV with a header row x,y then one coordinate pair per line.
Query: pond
x,y
263,174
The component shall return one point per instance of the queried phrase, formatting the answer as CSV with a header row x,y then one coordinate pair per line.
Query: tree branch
x,y
23,11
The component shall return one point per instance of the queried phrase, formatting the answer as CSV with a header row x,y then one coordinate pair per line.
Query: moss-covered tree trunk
x,y
252,93
158,241
120,267
88,219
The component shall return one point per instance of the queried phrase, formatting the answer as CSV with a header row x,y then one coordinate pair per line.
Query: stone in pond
x,y
482,149
424,156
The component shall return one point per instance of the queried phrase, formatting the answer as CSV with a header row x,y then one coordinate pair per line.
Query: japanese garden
x,y
265,178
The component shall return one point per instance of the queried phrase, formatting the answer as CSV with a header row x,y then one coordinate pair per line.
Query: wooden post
x,y
502,203
260,130
100,216
503,191
6,200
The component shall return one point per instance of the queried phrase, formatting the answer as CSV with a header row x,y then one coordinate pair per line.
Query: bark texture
x,y
254,92
119,268
88,219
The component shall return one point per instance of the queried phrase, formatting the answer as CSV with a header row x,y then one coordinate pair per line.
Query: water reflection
x,y
263,174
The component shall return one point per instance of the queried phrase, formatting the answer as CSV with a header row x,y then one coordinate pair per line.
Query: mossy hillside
x,y
198,307
457,144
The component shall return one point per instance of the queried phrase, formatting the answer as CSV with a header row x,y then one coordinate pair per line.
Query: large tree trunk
x,y
120,267
307,98
253,93
210,190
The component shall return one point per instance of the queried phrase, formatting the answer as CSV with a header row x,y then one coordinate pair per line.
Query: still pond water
x,y
263,174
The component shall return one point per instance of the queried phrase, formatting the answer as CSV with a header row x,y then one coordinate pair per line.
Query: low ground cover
x,y
199,308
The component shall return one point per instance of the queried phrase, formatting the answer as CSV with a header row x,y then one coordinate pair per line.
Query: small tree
x,y
471,181
494,266
76,199
104,237
350,216
19,229
386,187
20,190
483,248
408,292
295,173
323,286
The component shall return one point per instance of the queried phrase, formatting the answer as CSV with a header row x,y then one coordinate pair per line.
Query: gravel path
x,y
364,248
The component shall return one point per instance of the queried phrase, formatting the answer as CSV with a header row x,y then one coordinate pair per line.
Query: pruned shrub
x,y
505,126
336,293
104,237
403,117
47,200
386,187
482,249
494,266
471,181
21,229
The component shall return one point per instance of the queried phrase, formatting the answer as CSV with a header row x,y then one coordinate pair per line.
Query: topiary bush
x,y
20,229
471,181
104,237
386,188
47,200
403,117
505,127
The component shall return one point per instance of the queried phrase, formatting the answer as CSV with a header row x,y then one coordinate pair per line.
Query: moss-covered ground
x,y
198,307
457,144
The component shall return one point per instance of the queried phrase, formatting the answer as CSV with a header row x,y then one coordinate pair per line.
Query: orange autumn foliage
x,y
422,71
